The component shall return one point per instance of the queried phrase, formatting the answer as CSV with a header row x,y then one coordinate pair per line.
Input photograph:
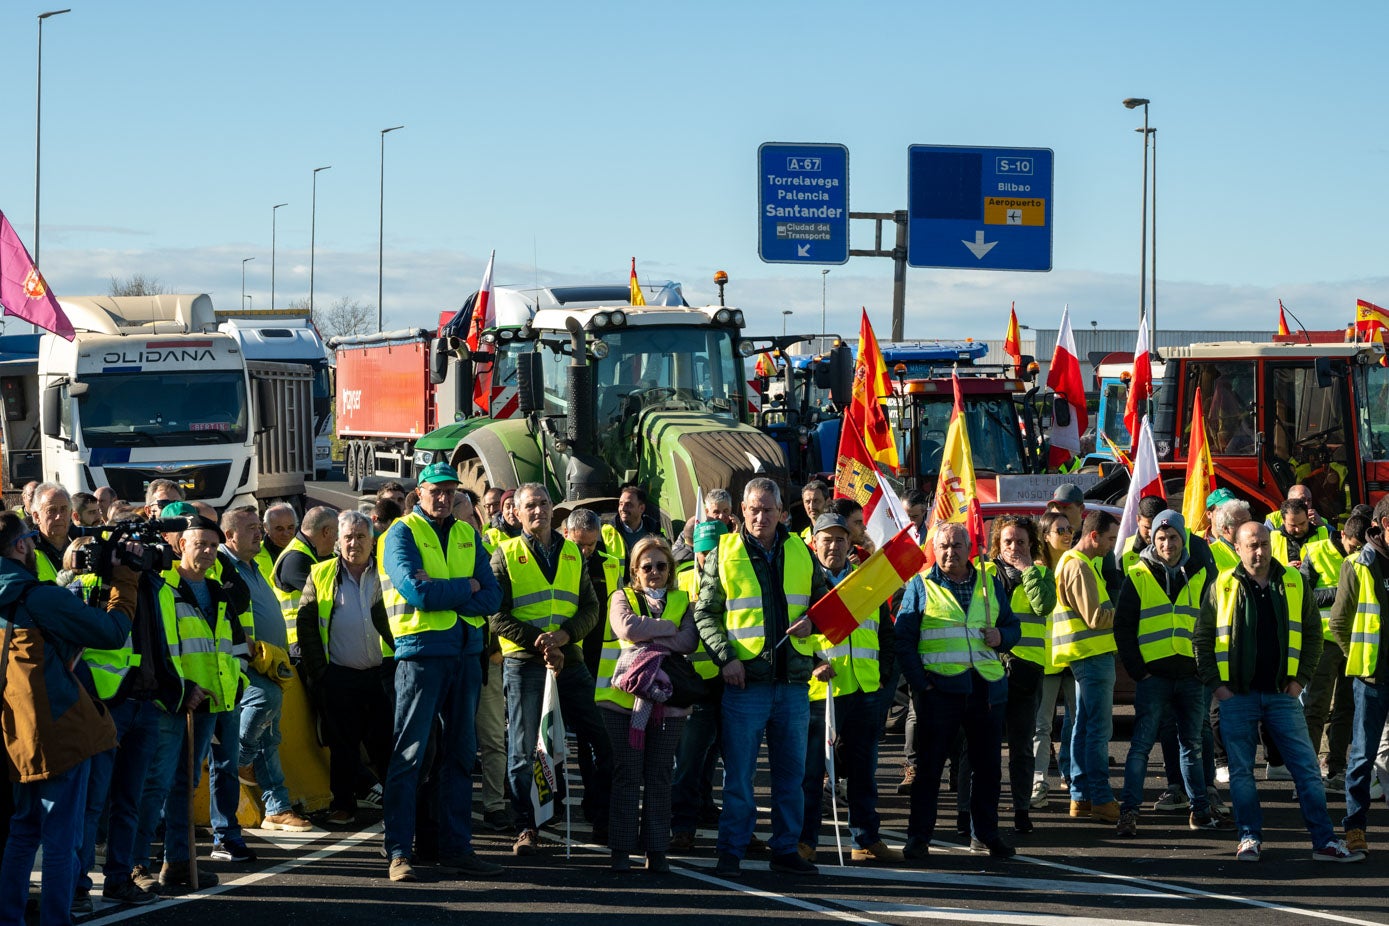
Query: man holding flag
x,y
853,679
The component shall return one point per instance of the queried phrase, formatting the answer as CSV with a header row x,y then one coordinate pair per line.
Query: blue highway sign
x,y
803,203
979,208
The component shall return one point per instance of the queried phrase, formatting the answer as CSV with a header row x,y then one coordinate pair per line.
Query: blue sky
x,y
570,137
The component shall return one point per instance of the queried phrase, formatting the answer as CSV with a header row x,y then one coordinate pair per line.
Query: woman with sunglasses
x,y
653,613
1014,549
1056,536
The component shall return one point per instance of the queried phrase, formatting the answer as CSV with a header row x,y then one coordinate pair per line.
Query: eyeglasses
x,y
654,567
1064,530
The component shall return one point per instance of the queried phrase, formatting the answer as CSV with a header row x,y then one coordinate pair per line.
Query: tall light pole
x,y
1134,102
381,227
1152,303
38,129
785,314
824,277
313,222
244,262
274,215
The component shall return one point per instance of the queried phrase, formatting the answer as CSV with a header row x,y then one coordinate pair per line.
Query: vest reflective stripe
x,y
951,641
1326,560
855,662
1363,656
1226,593
324,576
677,603
204,655
1071,638
688,579
458,564
534,601
743,594
1035,643
108,666
289,601
1165,627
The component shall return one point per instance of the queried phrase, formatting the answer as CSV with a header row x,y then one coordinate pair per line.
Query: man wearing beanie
x,y
1154,622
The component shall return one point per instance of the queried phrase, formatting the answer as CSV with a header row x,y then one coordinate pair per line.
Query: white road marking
x,y
780,898
968,915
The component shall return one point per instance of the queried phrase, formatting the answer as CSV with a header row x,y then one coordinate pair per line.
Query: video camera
x,y
135,543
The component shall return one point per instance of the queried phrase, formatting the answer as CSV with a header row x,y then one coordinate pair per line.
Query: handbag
x,y
687,687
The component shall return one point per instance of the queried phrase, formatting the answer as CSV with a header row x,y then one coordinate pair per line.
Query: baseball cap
x,y
830,521
1068,494
178,510
438,472
707,534
1219,497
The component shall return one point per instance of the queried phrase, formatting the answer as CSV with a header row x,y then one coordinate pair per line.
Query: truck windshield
x,y
1375,407
130,409
693,369
994,436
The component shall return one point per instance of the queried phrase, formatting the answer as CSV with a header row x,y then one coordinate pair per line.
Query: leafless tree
x,y
344,316
137,284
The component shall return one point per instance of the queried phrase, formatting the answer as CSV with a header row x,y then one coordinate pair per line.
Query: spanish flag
x,y
871,386
956,496
1012,341
1282,321
1200,472
637,298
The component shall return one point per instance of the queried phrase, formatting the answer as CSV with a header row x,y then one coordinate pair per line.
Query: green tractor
x,y
589,393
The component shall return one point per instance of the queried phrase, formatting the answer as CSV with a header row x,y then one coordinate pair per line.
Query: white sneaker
x,y
1222,774
1039,795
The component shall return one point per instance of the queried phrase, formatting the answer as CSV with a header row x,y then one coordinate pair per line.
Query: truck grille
x,y
199,480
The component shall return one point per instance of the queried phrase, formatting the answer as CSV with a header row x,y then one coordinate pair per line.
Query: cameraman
x,y
210,649
45,628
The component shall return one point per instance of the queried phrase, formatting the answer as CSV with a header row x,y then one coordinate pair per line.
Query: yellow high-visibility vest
x,y
542,604
1365,633
1071,638
1165,626
743,594
952,641
677,603
1226,592
456,563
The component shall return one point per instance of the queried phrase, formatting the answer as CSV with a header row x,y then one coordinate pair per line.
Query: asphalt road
x,y
1067,873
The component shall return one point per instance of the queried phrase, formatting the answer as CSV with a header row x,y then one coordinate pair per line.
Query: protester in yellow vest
x,y
52,514
312,544
692,790
1057,684
1257,642
1015,551
344,656
281,524
651,617
1328,701
1154,622
438,592
1083,639
853,674
1357,621
753,598
952,626
1298,492
1225,520
605,570
1295,532
547,607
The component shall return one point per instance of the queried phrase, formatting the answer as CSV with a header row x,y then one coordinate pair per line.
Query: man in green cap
x,y
692,789
438,592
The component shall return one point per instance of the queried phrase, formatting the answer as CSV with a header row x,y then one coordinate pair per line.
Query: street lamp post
x,y
824,277
785,314
313,228
1152,303
1134,103
381,228
244,262
274,215
38,126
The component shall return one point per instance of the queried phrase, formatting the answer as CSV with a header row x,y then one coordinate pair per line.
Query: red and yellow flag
x,y
1282,321
765,366
1200,472
872,384
636,298
956,496
1012,341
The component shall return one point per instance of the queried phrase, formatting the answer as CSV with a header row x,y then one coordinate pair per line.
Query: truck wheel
x,y
472,476
352,463
369,462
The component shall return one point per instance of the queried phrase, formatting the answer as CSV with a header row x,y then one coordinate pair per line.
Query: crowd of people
x,y
426,628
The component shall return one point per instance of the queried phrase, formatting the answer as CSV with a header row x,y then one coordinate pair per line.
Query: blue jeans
x,y
120,774
1284,722
782,709
1093,728
224,787
1371,708
49,812
167,787
856,719
523,681
691,790
426,688
1185,699
261,704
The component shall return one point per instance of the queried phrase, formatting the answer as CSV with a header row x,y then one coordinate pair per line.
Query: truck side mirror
x,y
265,406
1060,411
530,381
1325,377
837,375
53,412
438,360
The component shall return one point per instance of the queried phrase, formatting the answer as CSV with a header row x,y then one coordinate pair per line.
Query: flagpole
x,y
829,767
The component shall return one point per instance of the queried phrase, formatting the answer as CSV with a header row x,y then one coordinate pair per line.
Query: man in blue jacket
x,y
45,629
438,591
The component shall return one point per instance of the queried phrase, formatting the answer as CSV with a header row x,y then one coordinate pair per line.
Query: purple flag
x,y
23,291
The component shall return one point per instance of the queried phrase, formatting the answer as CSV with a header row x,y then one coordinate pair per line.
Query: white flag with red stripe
x,y
1065,381
484,317
1140,384
1145,480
